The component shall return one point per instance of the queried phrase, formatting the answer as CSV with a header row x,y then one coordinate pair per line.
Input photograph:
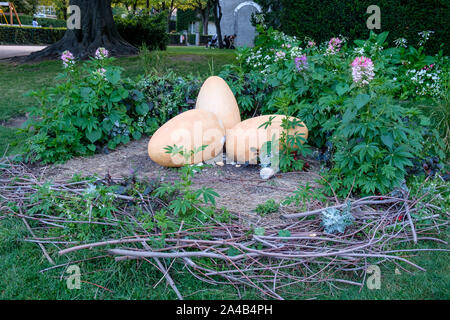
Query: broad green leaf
x,y
388,140
361,100
94,135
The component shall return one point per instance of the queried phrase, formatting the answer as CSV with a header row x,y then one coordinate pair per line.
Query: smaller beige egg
x,y
246,138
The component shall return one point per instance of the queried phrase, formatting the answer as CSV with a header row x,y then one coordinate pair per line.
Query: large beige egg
x,y
190,130
246,138
216,96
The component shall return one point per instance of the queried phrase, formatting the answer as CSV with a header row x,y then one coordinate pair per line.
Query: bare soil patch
x,y
240,188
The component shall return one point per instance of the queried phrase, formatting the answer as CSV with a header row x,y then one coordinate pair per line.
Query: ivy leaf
x,y
361,100
94,135
142,109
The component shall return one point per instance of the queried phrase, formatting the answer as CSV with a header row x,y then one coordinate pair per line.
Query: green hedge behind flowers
x,y
27,20
144,29
325,18
30,35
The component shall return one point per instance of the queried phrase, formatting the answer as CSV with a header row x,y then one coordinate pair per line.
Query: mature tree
x,y
97,30
203,7
25,6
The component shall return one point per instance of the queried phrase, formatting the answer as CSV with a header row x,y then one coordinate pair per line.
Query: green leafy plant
x,y
335,221
184,201
90,108
270,206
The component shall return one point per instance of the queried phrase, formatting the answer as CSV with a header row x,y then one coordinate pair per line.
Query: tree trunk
x,y
205,18
169,14
217,8
97,30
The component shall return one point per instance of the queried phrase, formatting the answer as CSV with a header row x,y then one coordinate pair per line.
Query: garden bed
x,y
241,189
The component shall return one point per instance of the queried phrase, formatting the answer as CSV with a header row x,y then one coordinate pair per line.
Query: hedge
x,y
29,35
140,29
43,22
323,19
174,39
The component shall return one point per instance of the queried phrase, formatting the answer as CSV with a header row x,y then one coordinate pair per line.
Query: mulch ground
x,y
240,188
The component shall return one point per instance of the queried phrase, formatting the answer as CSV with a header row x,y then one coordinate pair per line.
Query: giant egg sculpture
x,y
189,130
216,96
246,138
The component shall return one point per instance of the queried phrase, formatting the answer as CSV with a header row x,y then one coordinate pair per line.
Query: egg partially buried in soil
x,y
216,96
248,137
189,130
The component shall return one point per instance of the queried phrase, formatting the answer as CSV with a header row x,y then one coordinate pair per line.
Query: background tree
x,y
25,6
97,30
217,11
203,8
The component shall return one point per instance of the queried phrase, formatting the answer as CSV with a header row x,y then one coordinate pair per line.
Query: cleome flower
x,y
68,59
362,70
301,63
101,53
334,45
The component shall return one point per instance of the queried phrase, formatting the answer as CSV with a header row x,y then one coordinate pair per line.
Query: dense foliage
x,y
90,108
30,35
348,96
326,18
139,29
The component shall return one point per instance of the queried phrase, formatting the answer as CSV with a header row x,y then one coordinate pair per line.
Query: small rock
x,y
220,164
266,173
238,166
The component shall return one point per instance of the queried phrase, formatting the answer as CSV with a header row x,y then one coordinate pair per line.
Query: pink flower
x,y
334,45
362,70
101,53
311,44
301,63
68,59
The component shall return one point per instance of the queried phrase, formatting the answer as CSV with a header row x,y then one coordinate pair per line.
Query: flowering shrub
x,y
346,96
101,53
68,59
427,81
168,95
91,109
301,63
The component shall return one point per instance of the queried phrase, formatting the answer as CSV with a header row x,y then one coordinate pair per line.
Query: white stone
x,y
266,173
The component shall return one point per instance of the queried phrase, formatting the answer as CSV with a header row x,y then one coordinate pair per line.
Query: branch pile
x,y
275,262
